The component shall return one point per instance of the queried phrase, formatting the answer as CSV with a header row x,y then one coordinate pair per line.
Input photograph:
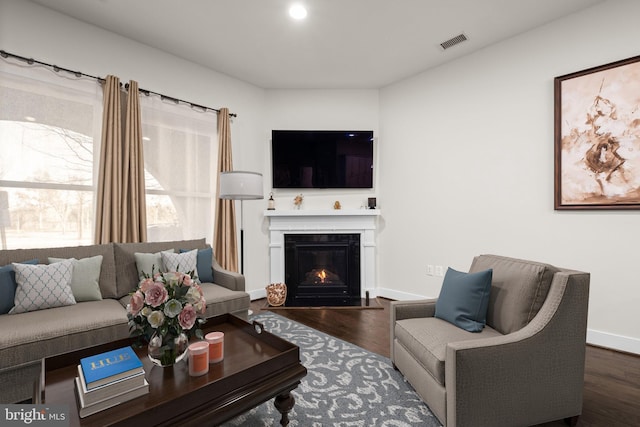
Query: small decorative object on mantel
x,y
337,205
276,294
272,203
297,201
164,310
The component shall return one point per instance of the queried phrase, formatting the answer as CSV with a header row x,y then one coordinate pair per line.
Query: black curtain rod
x,y
55,68
177,100
78,74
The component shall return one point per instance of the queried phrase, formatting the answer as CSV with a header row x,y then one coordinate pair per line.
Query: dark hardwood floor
x,y
612,379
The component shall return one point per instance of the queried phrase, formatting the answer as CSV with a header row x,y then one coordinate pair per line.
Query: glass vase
x,y
166,350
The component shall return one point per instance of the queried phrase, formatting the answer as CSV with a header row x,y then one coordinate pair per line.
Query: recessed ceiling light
x,y
30,118
298,11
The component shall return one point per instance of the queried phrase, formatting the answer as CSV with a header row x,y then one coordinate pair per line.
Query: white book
x,y
111,389
84,409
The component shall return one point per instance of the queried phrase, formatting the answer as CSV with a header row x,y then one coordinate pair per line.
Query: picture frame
x,y
597,137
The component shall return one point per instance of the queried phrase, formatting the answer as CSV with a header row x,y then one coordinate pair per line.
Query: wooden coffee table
x,y
257,367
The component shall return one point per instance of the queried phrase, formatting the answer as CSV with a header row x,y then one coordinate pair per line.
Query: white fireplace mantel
x,y
355,221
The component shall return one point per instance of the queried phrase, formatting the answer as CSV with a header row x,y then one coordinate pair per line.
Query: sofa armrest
x,y
407,310
228,279
410,309
542,364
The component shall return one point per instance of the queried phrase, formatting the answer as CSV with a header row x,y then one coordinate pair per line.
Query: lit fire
x,y
322,276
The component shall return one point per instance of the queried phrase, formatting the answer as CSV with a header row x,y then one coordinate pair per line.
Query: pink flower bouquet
x,y
166,304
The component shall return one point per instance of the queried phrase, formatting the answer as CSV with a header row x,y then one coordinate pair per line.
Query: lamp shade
x,y
240,185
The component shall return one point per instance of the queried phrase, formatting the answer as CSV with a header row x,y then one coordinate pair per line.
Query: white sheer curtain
x,y
180,156
49,145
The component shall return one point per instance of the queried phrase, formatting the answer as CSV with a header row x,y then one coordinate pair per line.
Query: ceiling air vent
x,y
453,41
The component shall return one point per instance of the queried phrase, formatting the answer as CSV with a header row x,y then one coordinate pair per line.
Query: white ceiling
x,y
342,44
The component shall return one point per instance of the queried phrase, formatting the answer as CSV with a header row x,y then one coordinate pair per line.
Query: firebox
x,y
322,269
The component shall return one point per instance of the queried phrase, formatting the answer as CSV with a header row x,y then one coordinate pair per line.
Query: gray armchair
x,y
525,367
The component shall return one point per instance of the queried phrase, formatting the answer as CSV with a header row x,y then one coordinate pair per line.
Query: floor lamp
x,y
240,185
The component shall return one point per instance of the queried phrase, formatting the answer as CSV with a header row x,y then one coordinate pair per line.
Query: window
x,y
50,132
49,143
180,156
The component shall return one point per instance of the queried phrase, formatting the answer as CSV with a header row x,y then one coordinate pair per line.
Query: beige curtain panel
x,y
108,203
225,242
121,205
134,206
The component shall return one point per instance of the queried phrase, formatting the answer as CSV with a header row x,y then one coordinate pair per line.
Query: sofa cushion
x,y
28,337
107,270
8,286
85,279
518,290
149,263
204,264
184,262
126,272
464,298
426,340
221,300
42,286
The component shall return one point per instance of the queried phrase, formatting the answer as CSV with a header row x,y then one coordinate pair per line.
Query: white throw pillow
x,y
42,286
149,264
184,262
85,278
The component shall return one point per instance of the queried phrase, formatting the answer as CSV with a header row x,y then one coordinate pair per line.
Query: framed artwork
x,y
597,137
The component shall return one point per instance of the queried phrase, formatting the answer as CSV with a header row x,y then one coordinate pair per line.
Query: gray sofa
x,y
28,337
525,367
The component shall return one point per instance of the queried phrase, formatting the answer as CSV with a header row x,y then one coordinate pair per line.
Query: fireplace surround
x,y
359,222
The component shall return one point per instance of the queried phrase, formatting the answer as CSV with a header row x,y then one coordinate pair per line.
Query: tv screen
x,y
322,159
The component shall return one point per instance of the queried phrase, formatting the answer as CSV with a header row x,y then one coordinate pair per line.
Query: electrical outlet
x,y
430,270
439,271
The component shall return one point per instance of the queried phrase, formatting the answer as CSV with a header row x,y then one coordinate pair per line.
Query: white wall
x,y
471,145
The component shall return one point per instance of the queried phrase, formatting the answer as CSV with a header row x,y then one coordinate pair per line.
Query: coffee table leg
x,y
284,403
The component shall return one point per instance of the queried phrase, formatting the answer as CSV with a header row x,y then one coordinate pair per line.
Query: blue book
x,y
110,366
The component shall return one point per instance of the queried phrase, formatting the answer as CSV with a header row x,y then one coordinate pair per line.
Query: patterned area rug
x,y
345,385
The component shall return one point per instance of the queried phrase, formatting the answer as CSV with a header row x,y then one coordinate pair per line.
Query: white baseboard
x,y
599,338
613,341
397,295
257,294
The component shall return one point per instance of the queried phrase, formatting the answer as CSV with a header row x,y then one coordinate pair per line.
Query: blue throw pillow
x,y
464,299
8,286
204,264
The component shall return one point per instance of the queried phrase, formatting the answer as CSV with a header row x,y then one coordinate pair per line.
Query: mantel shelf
x,y
322,212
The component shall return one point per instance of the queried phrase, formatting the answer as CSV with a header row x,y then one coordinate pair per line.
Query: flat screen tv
x,y
322,159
